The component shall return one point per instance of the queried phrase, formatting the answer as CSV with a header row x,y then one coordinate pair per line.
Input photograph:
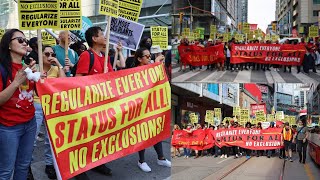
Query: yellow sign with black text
x,y
70,15
130,9
159,35
109,8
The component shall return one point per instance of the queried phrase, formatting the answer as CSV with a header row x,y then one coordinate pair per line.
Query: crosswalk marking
x,y
245,76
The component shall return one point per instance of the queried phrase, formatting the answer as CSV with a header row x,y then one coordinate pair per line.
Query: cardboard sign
x,y
90,119
70,15
109,8
48,39
130,9
313,31
35,15
80,34
128,32
159,36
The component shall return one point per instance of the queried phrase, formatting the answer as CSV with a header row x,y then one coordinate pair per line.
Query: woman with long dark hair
x,y
17,120
143,57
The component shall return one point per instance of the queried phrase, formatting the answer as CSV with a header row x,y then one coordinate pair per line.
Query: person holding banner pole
x,y
52,69
143,57
67,57
17,120
97,42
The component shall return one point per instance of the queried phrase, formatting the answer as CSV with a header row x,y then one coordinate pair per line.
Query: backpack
x,y
4,76
74,69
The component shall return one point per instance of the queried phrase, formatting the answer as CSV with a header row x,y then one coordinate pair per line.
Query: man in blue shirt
x,y
60,51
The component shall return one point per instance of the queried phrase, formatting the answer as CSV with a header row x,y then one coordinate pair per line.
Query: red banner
x,y
200,56
96,119
258,107
197,139
254,139
285,54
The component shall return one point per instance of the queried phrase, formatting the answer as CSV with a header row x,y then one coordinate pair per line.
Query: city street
x,y
246,76
253,169
124,168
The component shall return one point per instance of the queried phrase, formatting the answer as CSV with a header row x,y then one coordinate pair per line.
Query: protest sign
x,y
209,116
35,15
265,125
267,37
260,116
274,38
217,113
70,15
225,37
80,34
246,28
274,27
313,31
251,36
48,39
292,120
109,8
130,9
239,37
2,31
254,139
200,56
100,118
279,115
258,107
213,31
301,29
159,36
285,54
244,116
236,111
127,32
194,118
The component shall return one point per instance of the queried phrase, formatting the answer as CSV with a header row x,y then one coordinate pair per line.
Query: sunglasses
x,y
48,54
21,40
147,56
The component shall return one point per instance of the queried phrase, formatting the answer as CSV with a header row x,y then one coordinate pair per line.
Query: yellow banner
x,y
48,39
313,31
2,31
159,36
70,15
109,8
35,15
130,9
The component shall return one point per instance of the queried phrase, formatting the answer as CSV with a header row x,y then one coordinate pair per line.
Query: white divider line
x,y
224,160
185,76
243,76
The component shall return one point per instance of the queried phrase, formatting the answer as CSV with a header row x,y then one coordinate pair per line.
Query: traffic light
x,y
180,17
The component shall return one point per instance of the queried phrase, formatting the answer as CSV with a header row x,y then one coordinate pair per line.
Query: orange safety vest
x,y
287,135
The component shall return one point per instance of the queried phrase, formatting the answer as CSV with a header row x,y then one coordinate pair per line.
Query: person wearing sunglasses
x,y
17,120
52,69
142,57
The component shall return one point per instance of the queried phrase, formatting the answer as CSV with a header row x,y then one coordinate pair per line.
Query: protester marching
x,y
96,103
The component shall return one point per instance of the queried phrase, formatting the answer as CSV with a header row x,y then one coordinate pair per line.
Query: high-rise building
x,y
294,14
313,96
226,14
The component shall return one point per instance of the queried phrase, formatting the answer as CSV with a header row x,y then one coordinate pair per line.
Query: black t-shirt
x,y
130,62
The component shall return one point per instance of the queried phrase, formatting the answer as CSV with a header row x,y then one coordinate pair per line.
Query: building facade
x,y
226,14
313,96
295,14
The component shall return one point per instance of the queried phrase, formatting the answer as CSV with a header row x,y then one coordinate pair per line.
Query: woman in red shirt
x,y
17,121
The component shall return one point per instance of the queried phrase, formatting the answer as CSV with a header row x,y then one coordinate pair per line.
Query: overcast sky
x,y
261,12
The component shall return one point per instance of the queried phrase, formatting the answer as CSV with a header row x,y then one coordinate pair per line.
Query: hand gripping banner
x,y
96,119
200,56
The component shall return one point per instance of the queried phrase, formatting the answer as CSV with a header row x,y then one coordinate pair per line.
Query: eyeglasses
x,y
21,40
48,54
148,56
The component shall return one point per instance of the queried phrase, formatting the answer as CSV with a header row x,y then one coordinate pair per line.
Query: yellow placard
x,y
274,26
236,111
109,8
292,120
213,29
225,37
279,115
246,28
217,113
274,38
209,116
35,15
130,9
267,37
313,31
194,119
70,15
48,39
244,116
159,35
301,30
250,36
2,31
260,116
239,37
